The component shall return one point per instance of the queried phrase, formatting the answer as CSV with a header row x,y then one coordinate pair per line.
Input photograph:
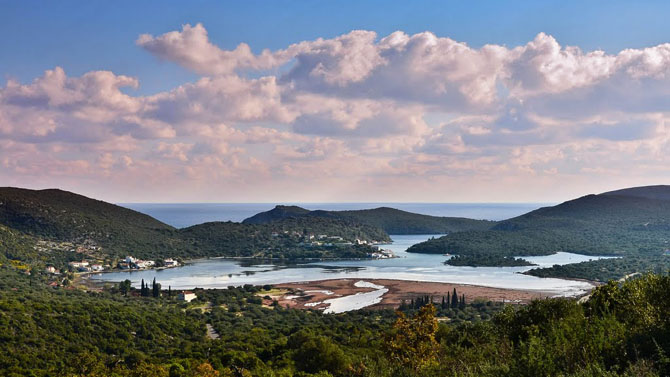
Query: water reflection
x,y
221,273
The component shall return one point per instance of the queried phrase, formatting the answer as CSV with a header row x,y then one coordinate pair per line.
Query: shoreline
x,y
312,294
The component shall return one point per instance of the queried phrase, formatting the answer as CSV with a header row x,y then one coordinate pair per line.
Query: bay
x,y
221,273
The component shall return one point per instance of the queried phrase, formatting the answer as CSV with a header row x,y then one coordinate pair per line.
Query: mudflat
x,y
311,295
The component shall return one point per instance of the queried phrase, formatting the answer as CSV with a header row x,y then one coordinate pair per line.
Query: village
x,y
324,240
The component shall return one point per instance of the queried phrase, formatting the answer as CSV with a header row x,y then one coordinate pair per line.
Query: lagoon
x,y
221,273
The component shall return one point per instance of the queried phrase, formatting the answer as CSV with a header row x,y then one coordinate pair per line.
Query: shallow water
x,y
358,300
221,273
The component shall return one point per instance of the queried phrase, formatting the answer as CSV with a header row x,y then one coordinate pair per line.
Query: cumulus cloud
x,y
192,49
377,111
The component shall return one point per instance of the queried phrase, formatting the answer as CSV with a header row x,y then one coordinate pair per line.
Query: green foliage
x,y
411,345
593,225
287,238
623,330
53,226
604,270
392,221
487,260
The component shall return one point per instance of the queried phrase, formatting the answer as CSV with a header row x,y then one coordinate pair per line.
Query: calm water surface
x,y
221,273
186,214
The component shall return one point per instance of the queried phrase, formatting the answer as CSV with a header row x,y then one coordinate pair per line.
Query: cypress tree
x,y
443,303
448,303
454,299
462,303
155,289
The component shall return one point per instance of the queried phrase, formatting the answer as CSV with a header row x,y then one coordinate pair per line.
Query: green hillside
x,y
65,217
391,220
287,238
55,227
592,225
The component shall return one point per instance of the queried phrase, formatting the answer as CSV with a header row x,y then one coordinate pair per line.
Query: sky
x,y
334,101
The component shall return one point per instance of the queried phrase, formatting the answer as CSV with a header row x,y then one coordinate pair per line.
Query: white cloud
x,y
375,111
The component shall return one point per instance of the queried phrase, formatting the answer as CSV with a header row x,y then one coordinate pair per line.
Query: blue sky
x,y
81,36
321,101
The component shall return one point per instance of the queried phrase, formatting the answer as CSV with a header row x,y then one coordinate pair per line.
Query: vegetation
x,y
287,238
631,223
392,221
603,270
487,260
53,227
622,330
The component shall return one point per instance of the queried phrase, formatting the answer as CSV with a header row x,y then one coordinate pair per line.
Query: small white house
x,y
170,262
51,270
186,296
82,264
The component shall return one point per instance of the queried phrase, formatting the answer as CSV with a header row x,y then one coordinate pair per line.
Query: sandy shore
x,y
310,295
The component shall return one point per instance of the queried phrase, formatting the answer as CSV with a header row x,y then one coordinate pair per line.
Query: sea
x,y
223,273
182,215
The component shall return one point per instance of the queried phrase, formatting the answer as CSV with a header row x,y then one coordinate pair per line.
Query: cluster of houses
x,y
131,263
381,253
85,266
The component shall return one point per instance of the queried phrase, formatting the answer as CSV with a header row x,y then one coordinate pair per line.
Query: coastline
x,y
312,294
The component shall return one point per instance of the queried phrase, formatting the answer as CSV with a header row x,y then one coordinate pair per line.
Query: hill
x,y
290,238
605,224
658,192
391,220
76,221
55,227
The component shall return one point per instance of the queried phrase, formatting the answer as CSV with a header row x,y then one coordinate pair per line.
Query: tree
x,y
155,288
461,304
454,300
412,345
142,289
317,353
124,287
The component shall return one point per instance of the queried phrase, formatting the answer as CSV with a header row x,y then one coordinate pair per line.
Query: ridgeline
x,y
632,222
391,220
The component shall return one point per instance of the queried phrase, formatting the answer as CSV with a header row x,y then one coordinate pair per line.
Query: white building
x,y
186,296
82,264
170,263
144,263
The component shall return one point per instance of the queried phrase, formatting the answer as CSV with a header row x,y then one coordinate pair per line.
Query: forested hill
x,y
61,216
391,220
55,226
660,192
608,223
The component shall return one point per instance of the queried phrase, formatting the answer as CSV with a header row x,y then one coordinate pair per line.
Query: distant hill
x,y
55,226
612,224
59,215
659,192
277,213
280,237
392,221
